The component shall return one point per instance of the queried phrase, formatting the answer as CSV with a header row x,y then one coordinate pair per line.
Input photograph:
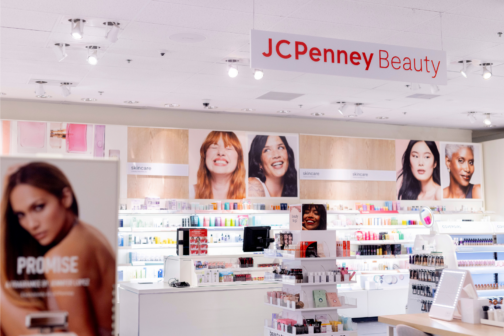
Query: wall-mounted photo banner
x,y
347,175
58,241
462,171
418,165
157,169
319,55
273,164
217,164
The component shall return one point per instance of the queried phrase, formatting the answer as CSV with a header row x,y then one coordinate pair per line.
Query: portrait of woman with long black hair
x,y
420,172
272,168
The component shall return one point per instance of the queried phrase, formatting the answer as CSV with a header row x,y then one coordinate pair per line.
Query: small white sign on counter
x,y
157,169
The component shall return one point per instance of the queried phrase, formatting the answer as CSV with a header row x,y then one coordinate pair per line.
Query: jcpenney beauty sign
x,y
309,54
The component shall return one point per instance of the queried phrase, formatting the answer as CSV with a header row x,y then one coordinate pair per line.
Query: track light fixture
x,y
487,121
258,74
414,86
93,57
40,88
65,89
77,28
358,111
60,51
466,64
487,73
232,68
472,117
434,89
341,108
113,32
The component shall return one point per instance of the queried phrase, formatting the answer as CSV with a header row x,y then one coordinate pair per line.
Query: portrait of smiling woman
x,y
419,174
272,167
460,161
40,220
221,172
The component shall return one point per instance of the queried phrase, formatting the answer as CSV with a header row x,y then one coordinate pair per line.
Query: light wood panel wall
x,y
323,152
158,145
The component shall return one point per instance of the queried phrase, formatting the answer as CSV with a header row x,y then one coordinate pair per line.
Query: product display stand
x,y
309,308
428,248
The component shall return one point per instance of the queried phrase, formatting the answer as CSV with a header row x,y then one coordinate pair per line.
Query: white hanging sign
x,y
320,55
348,175
157,169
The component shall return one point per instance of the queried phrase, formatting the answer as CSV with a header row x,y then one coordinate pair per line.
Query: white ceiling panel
x,y
190,72
364,14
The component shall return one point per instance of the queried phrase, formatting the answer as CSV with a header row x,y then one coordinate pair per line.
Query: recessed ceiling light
x,y
472,117
487,121
172,105
317,114
381,118
466,64
65,89
131,102
88,99
258,74
93,58
358,110
283,111
187,37
248,110
232,68
211,107
59,50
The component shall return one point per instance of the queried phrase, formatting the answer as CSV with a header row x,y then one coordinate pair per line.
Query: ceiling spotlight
x,y
65,89
60,51
258,74
172,105
487,73
341,108
40,89
472,117
317,114
88,99
232,71
93,57
248,110
113,32
283,111
466,64
211,107
487,120
77,26
358,111
434,89
131,101
232,68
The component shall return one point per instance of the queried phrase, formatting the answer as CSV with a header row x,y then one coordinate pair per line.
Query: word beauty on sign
x,y
310,54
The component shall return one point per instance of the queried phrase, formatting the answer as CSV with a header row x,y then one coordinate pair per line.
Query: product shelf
x,y
202,212
244,269
345,306
174,229
319,284
141,263
234,283
420,282
147,247
399,256
397,271
308,259
476,249
426,267
380,242
380,227
490,292
270,331
346,258
483,270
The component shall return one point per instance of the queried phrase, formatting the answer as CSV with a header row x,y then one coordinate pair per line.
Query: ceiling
x,y
190,72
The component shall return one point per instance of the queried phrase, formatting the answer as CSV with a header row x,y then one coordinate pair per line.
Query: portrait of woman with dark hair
x,y
420,173
460,162
43,239
314,217
272,168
